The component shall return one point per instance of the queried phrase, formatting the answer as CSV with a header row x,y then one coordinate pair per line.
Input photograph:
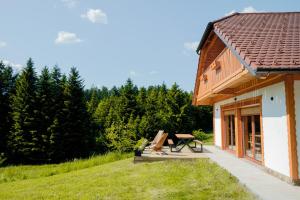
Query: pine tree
x,y
24,140
78,137
92,103
45,90
7,86
128,99
57,128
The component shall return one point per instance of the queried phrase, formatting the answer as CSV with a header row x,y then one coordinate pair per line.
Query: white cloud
x,y
64,37
191,45
133,73
3,44
70,3
153,72
230,13
248,9
15,66
95,16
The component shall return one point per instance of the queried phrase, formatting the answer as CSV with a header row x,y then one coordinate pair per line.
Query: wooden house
x,y
249,71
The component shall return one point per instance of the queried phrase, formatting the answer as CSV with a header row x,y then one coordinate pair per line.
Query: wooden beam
x,y
291,125
223,130
238,133
226,91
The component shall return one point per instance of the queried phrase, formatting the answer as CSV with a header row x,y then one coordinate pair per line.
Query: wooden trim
x,y
254,160
262,136
238,133
231,151
296,77
223,131
242,103
291,125
253,135
256,84
237,106
214,134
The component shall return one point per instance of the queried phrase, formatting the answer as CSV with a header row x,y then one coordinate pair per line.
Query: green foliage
x,y
50,121
122,137
140,142
7,86
49,118
24,141
202,136
152,109
77,138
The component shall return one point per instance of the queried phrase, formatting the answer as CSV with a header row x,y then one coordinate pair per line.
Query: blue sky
x,y
150,41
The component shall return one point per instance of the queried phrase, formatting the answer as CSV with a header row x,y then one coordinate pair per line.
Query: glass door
x,y
230,132
252,136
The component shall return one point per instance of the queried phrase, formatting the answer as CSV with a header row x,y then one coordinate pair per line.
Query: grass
x,y
199,179
15,173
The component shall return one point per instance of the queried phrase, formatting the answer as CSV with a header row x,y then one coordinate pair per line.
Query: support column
x,y
291,126
238,133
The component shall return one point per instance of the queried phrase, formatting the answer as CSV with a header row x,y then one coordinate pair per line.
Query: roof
x,y
263,42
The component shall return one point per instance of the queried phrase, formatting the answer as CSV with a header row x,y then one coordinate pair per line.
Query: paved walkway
x,y
259,182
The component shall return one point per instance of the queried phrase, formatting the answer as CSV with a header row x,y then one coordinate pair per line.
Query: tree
x,y
57,128
77,130
46,112
128,100
24,140
92,103
7,86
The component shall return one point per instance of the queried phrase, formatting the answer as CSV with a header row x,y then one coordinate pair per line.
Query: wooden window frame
x,y
237,106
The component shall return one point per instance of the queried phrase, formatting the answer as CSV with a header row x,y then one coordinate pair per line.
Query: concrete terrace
x,y
264,185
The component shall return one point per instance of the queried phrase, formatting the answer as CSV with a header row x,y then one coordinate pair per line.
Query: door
x,y
251,128
230,130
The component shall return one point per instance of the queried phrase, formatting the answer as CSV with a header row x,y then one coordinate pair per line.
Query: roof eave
x,y
208,29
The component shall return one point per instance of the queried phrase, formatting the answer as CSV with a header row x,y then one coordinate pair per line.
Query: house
x,y
249,71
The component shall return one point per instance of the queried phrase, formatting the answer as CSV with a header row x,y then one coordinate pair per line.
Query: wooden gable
x,y
218,70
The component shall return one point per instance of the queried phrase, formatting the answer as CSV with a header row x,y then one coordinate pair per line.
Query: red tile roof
x,y
262,41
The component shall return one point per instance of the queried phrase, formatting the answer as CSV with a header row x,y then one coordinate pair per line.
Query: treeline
x,y
49,118
128,113
43,118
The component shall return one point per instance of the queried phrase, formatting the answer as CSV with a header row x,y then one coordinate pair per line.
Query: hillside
x,y
122,179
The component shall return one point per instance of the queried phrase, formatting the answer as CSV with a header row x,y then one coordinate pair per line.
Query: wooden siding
x,y
212,77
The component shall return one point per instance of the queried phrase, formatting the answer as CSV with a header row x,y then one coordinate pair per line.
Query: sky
x,y
108,41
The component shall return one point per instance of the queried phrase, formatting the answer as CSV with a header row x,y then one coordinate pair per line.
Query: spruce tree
x,y
77,137
92,103
24,140
57,128
45,89
7,84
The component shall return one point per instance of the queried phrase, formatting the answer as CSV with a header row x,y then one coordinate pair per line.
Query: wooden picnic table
x,y
184,139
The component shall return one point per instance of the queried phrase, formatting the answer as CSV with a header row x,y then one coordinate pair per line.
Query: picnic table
x,y
185,140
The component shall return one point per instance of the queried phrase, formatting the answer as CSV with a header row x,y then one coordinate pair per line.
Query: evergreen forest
x,y
51,117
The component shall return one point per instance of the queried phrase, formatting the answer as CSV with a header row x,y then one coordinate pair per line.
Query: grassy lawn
x,y
123,179
14,173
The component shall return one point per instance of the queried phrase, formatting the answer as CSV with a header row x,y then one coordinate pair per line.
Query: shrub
x,y
200,135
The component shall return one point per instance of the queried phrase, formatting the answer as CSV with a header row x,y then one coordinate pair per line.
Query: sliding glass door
x,y
251,128
230,131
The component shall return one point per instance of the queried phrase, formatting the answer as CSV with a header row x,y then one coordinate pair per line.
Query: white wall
x,y
217,126
297,111
274,125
